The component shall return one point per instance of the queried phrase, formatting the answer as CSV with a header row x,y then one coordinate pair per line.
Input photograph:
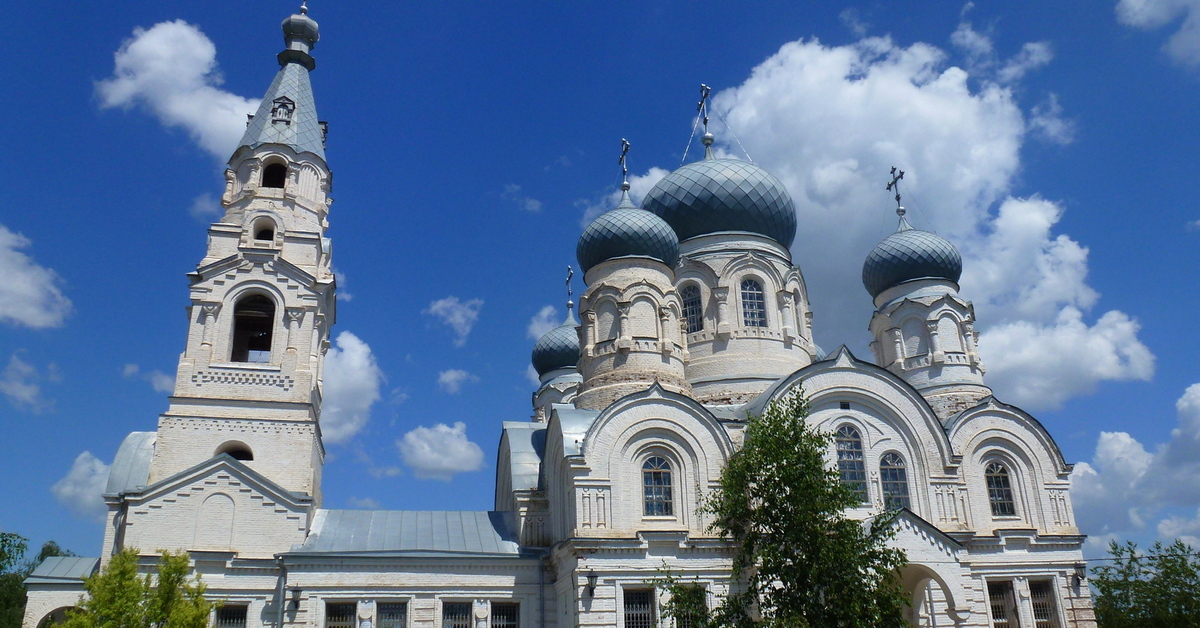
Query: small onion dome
x,y
910,254
626,231
557,348
301,27
716,195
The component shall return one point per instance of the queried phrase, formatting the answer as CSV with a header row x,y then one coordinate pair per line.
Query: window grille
x,y
894,479
505,615
656,486
1000,492
1045,612
850,460
693,312
754,306
392,614
456,615
340,615
639,608
231,616
1003,604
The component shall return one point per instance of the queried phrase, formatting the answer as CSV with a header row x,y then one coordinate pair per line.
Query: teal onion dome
x,y
715,195
557,348
623,232
910,254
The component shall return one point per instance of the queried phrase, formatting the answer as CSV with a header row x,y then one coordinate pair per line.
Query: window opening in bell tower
x,y
253,321
274,176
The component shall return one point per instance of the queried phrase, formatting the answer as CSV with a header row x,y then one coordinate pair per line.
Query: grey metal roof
x,y
424,533
557,348
63,569
574,424
526,448
130,470
626,231
716,195
910,254
303,133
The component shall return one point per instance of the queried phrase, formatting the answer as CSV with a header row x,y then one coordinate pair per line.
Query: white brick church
x,y
693,318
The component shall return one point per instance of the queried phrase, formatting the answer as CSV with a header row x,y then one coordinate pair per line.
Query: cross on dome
x,y
895,183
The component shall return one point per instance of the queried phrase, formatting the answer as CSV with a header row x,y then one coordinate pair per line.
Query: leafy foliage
x,y
1154,590
13,571
800,560
120,598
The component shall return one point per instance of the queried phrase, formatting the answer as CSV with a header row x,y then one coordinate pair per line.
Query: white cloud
x,y
29,293
451,381
82,489
459,316
343,295
205,208
542,322
512,192
1047,122
1184,44
365,503
171,70
639,185
853,22
440,452
531,374
20,383
158,380
983,61
351,387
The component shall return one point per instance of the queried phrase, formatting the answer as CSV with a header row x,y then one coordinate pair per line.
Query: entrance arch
x,y
54,617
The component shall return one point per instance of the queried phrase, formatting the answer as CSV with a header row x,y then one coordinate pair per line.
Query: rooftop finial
x,y
702,110
570,303
624,169
897,175
303,7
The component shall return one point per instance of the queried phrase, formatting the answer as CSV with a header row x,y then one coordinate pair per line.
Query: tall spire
x,y
288,112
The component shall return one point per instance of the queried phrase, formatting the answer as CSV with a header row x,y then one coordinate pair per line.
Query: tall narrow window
x,y
1045,612
392,614
274,175
253,321
1003,604
754,305
850,460
231,616
639,608
456,615
505,615
894,479
693,312
656,486
339,615
1000,492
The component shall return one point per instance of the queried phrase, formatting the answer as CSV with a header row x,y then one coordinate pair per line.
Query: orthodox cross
x,y
624,151
701,107
895,183
570,303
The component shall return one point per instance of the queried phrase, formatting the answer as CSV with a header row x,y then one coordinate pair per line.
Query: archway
x,y
55,617
931,603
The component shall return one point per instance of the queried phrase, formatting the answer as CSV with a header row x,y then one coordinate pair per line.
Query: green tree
x,y
13,572
1154,590
800,561
117,597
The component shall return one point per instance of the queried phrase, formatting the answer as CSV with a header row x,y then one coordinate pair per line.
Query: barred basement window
x,y
505,615
850,460
754,305
1045,612
894,479
392,614
231,616
639,608
656,487
1003,605
253,322
456,615
340,615
693,311
1000,492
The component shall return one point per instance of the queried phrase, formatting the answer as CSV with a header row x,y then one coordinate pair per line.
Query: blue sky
x,y
1053,142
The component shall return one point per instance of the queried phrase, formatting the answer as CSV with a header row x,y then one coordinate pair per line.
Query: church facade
x,y
694,317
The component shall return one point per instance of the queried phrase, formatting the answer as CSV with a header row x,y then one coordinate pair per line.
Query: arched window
x,y
264,229
237,449
894,479
274,176
850,460
693,312
253,322
754,305
656,487
1000,492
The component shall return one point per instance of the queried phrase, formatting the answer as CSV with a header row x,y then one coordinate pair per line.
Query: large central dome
x,y
717,195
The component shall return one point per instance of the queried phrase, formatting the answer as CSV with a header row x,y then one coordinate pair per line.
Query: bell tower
x,y
262,299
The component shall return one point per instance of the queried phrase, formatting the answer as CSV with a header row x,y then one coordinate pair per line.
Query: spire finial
x,y
570,303
303,7
702,110
624,168
897,175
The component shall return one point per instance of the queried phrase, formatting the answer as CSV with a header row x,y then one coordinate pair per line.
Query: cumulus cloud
x,y
158,380
170,70
531,374
451,381
343,294
21,384
351,387
29,294
1126,486
512,192
542,322
1184,44
1046,121
639,185
459,316
205,208
82,489
440,452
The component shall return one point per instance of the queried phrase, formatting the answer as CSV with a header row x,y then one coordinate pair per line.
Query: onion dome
x,y
557,348
626,231
714,195
910,254
301,27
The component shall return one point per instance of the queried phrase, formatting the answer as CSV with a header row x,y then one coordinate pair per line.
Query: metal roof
x,y
557,348
130,470
303,131
63,569
910,254
626,231
410,532
526,448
